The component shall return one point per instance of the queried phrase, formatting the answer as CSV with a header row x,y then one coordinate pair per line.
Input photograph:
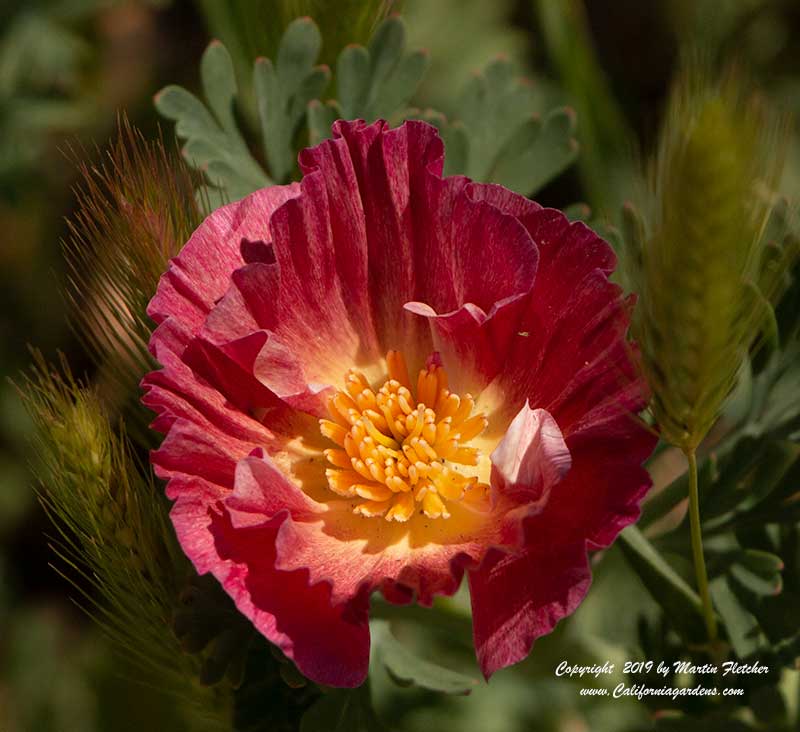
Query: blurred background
x,y
67,70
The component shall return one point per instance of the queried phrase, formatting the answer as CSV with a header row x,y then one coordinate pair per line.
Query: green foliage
x,y
268,692
44,64
715,24
679,601
372,83
251,28
748,478
405,668
213,141
378,81
781,249
284,90
375,82
748,501
748,483
747,589
499,134
501,131
206,618
477,32
138,210
274,696
605,164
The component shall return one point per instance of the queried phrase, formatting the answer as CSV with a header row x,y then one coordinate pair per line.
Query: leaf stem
x,y
697,547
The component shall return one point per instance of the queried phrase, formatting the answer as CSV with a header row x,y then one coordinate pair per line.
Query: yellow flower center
x,y
398,451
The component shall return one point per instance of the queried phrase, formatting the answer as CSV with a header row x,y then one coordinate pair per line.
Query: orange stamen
x,y
397,445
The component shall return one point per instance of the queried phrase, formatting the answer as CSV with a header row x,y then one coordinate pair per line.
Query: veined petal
x,y
324,540
518,598
474,342
263,491
176,392
486,422
328,642
199,276
532,457
413,236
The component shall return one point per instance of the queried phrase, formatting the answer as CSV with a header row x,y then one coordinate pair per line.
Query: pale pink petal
x,y
532,457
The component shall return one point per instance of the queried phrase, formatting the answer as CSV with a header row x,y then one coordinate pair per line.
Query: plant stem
x,y
697,548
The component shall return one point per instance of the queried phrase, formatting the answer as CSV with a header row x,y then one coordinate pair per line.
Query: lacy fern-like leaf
x,y
114,535
372,83
500,135
406,668
253,28
476,31
283,91
135,210
214,143
378,81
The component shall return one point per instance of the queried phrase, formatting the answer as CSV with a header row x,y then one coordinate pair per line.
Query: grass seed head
x,y
698,268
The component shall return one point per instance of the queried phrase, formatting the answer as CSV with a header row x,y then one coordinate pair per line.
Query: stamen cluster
x,y
397,451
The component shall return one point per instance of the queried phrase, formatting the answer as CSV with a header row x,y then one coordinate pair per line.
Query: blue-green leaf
x,y
578,212
758,572
219,85
537,152
500,135
406,668
741,625
213,141
377,82
320,118
284,90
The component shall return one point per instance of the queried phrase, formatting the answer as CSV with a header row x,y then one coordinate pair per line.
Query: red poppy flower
x,y
378,379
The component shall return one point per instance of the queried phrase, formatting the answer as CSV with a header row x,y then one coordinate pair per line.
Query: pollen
x,y
403,449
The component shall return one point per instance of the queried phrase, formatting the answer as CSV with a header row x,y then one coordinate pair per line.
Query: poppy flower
x,y
379,379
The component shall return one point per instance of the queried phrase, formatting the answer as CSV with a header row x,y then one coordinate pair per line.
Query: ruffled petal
x,y
470,342
601,494
379,176
262,357
276,297
200,275
573,328
330,543
288,321
328,642
519,597
261,492
413,236
177,392
572,359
